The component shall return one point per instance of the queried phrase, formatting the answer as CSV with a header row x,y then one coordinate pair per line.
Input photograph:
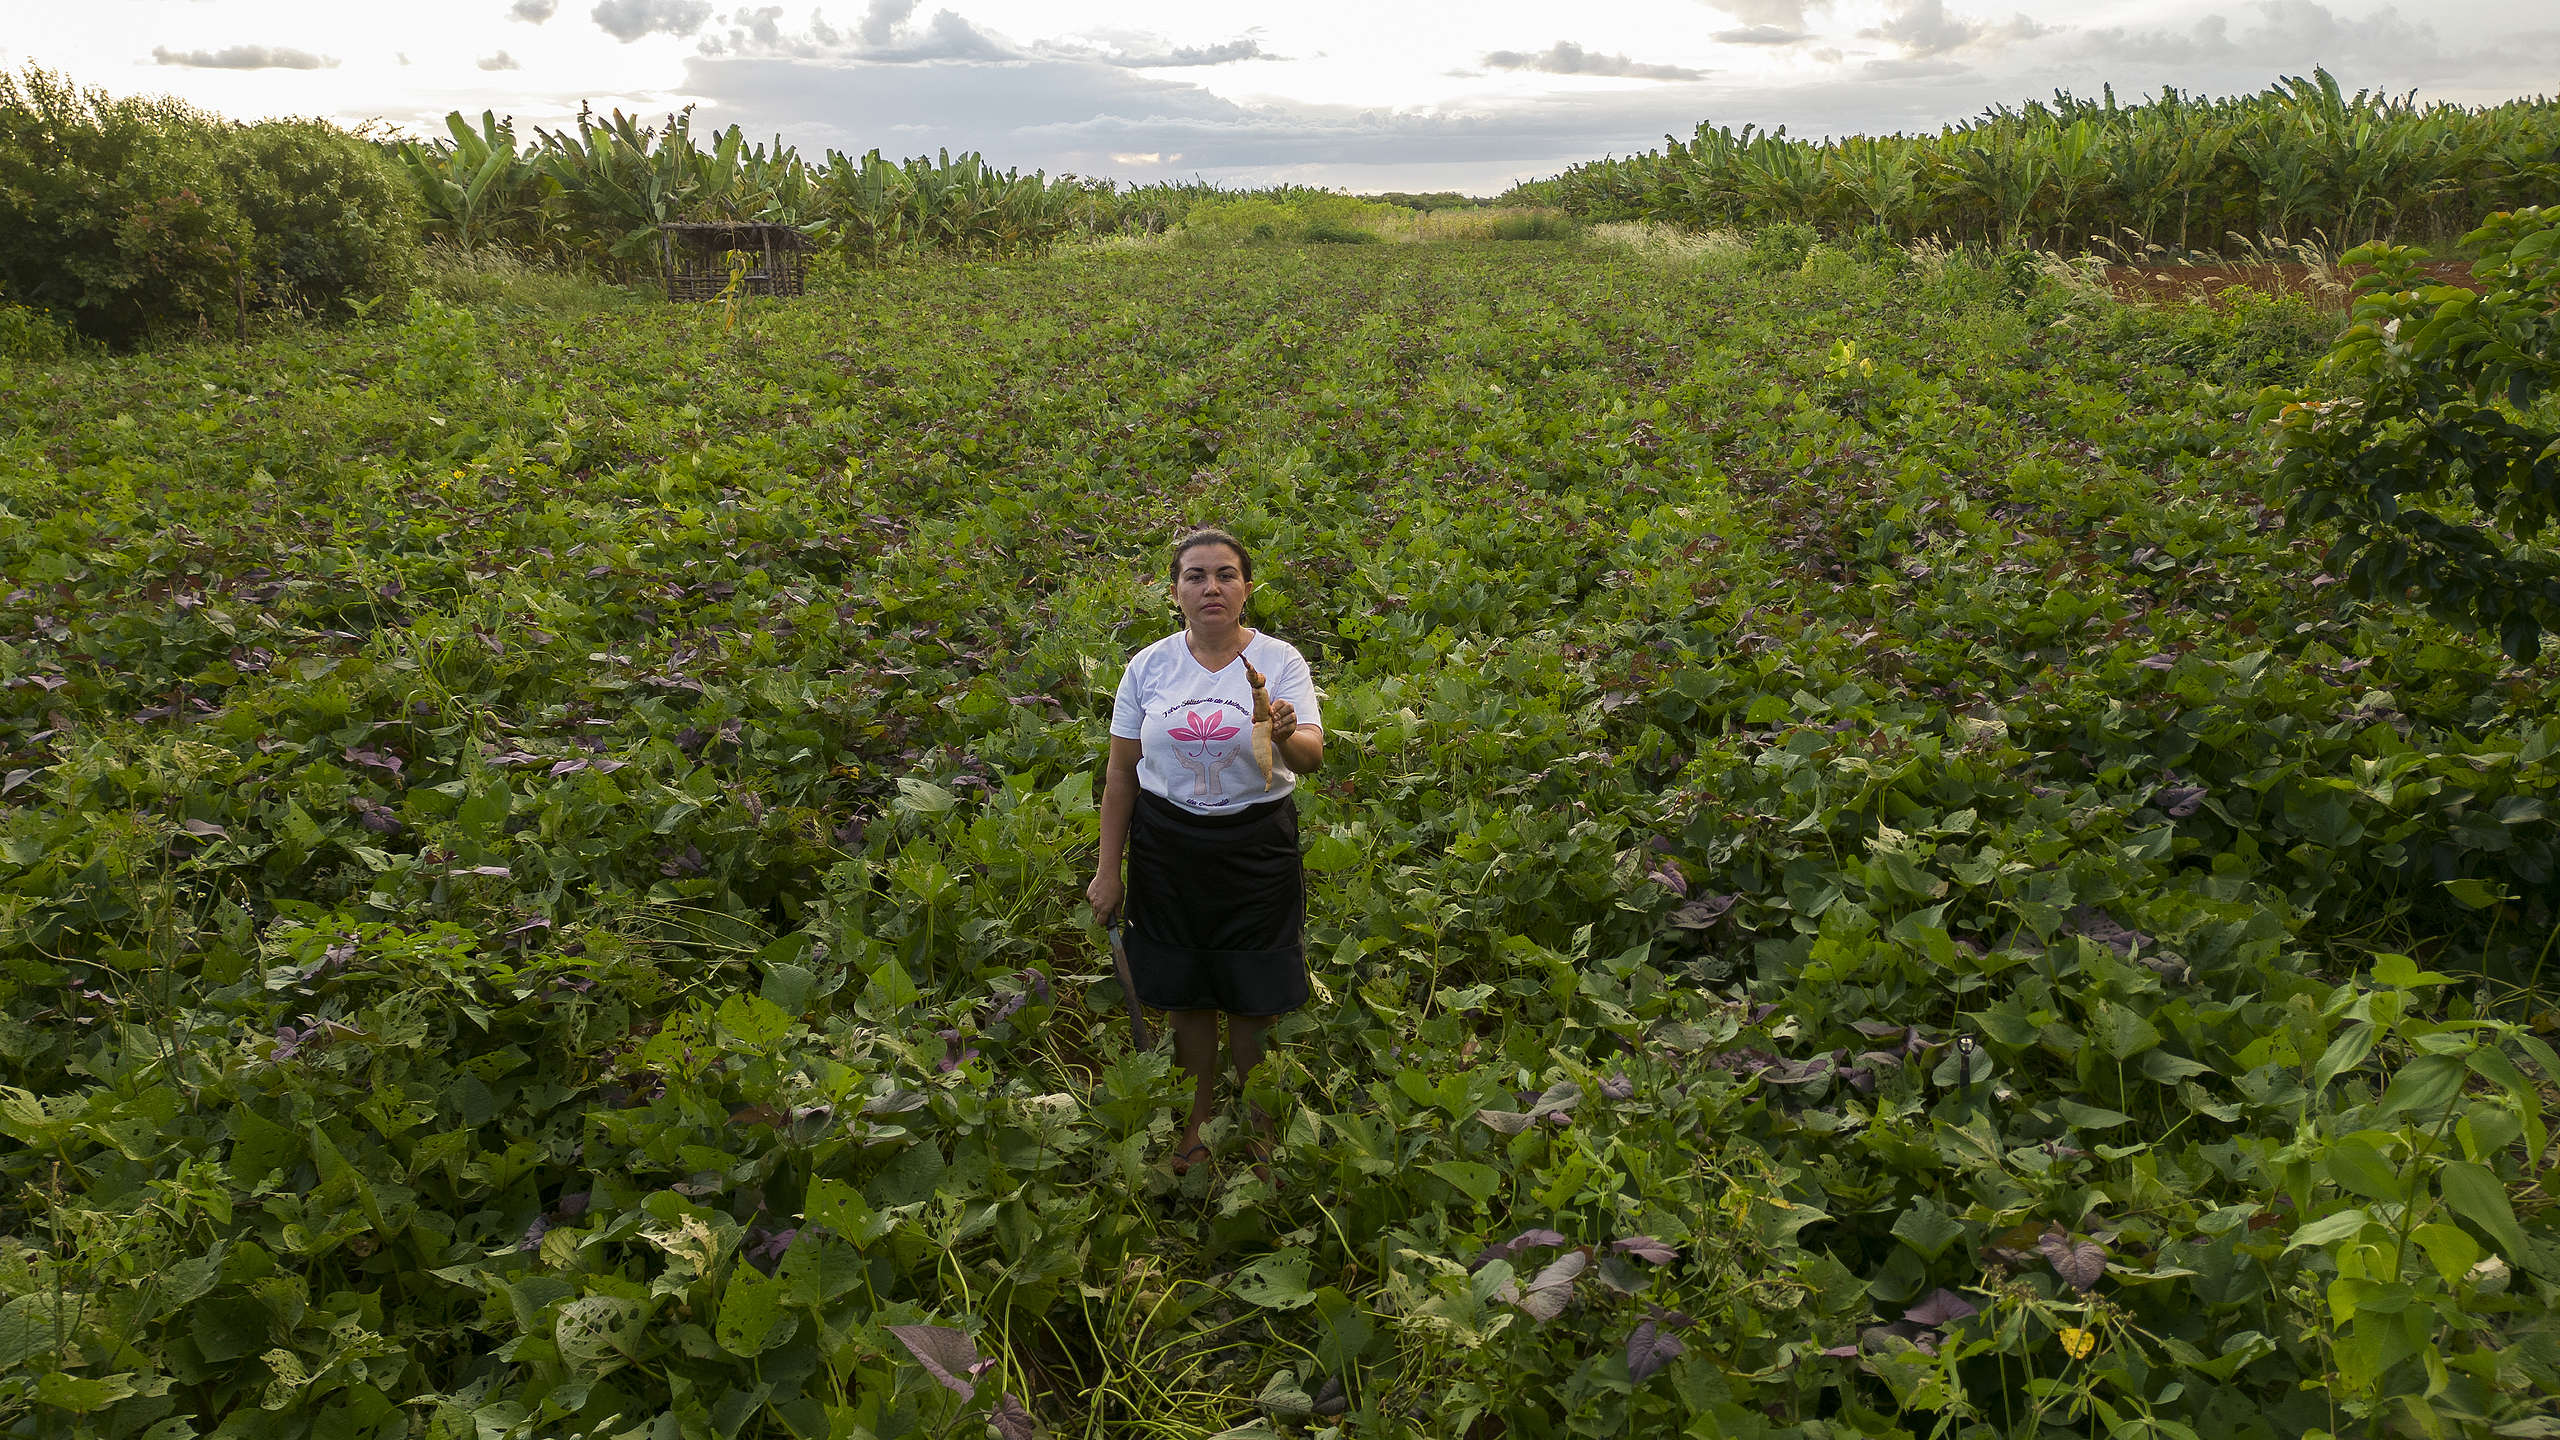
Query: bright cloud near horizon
x,y
1362,96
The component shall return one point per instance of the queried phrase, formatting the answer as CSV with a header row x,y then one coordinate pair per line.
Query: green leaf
x,y
2476,1196
840,1209
2476,894
1927,1228
751,1314
2401,972
2329,1229
2090,1117
1476,1182
80,1394
2449,1248
1329,854
2425,1085
1277,1281
2352,1164
752,1020
2344,1053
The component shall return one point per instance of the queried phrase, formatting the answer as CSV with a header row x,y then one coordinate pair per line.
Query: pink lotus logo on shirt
x,y
1201,731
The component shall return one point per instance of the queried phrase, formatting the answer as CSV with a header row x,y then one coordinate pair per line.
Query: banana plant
x,y
477,184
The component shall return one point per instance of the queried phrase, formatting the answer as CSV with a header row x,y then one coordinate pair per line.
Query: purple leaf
x,y
1942,1308
1649,1349
2158,662
1546,1296
1618,1087
1645,1248
2079,1262
1012,1421
1668,876
2179,801
1505,1249
1841,1352
373,759
2102,927
1702,912
946,1354
1330,1398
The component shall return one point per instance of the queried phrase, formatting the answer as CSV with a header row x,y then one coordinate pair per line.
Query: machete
x,y
1138,1035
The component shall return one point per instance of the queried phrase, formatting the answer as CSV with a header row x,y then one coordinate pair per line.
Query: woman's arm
x,y
1301,747
1119,798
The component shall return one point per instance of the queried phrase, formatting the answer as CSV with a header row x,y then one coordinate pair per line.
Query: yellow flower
x,y
2077,1343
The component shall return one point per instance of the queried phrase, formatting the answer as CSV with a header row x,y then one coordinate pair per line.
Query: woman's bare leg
x,y
1195,1049
1245,1037
1245,1034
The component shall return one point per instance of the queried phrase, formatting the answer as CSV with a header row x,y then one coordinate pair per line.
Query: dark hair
x,y
1209,535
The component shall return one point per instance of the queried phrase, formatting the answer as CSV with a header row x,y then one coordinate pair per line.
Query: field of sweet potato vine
x,y
1864,885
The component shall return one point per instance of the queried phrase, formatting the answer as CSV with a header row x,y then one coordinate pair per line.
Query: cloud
x,y
1770,14
1243,47
245,57
500,61
2288,33
946,37
1083,115
1915,67
1567,58
628,20
882,37
1761,35
533,12
880,23
1923,27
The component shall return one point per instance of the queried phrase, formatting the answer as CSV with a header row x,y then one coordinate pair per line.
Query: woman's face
x,y
1209,587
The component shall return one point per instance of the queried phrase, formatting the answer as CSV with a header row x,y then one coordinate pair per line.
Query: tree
x,y
2432,442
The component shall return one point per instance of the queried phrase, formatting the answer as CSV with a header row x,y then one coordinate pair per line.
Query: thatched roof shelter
x,y
697,258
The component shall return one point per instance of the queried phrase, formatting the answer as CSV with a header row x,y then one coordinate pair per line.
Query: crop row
x,y
1869,887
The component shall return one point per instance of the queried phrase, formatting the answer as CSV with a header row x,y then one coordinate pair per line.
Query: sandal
x,y
1189,1156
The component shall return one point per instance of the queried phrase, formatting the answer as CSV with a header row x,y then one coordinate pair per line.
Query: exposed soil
x,y
2197,284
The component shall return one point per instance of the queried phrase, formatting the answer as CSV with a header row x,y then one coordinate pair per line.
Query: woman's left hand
x,y
1284,721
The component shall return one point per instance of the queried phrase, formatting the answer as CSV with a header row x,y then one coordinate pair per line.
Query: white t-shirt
x,y
1195,729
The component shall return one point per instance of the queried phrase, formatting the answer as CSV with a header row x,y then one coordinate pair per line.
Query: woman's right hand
x,y
1104,895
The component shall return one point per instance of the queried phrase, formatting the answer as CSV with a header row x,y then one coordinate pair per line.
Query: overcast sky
x,y
1362,94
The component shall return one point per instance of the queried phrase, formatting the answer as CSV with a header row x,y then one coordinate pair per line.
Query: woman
x,y
1215,901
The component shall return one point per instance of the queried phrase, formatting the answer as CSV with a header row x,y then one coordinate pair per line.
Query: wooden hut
x,y
695,257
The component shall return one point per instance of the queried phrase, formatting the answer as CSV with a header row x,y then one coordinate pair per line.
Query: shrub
x,y
27,334
115,213
1336,232
1781,247
140,215
1537,225
334,222
1314,217
2431,444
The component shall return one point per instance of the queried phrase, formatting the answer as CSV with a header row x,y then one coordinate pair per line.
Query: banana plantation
x,y
598,191
2302,160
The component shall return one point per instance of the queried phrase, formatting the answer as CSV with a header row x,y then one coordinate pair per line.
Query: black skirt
x,y
1217,908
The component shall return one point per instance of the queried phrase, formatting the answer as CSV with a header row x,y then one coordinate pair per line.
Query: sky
x,y
1364,95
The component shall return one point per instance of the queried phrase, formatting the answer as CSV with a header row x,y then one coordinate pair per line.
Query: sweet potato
x,y
1262,747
